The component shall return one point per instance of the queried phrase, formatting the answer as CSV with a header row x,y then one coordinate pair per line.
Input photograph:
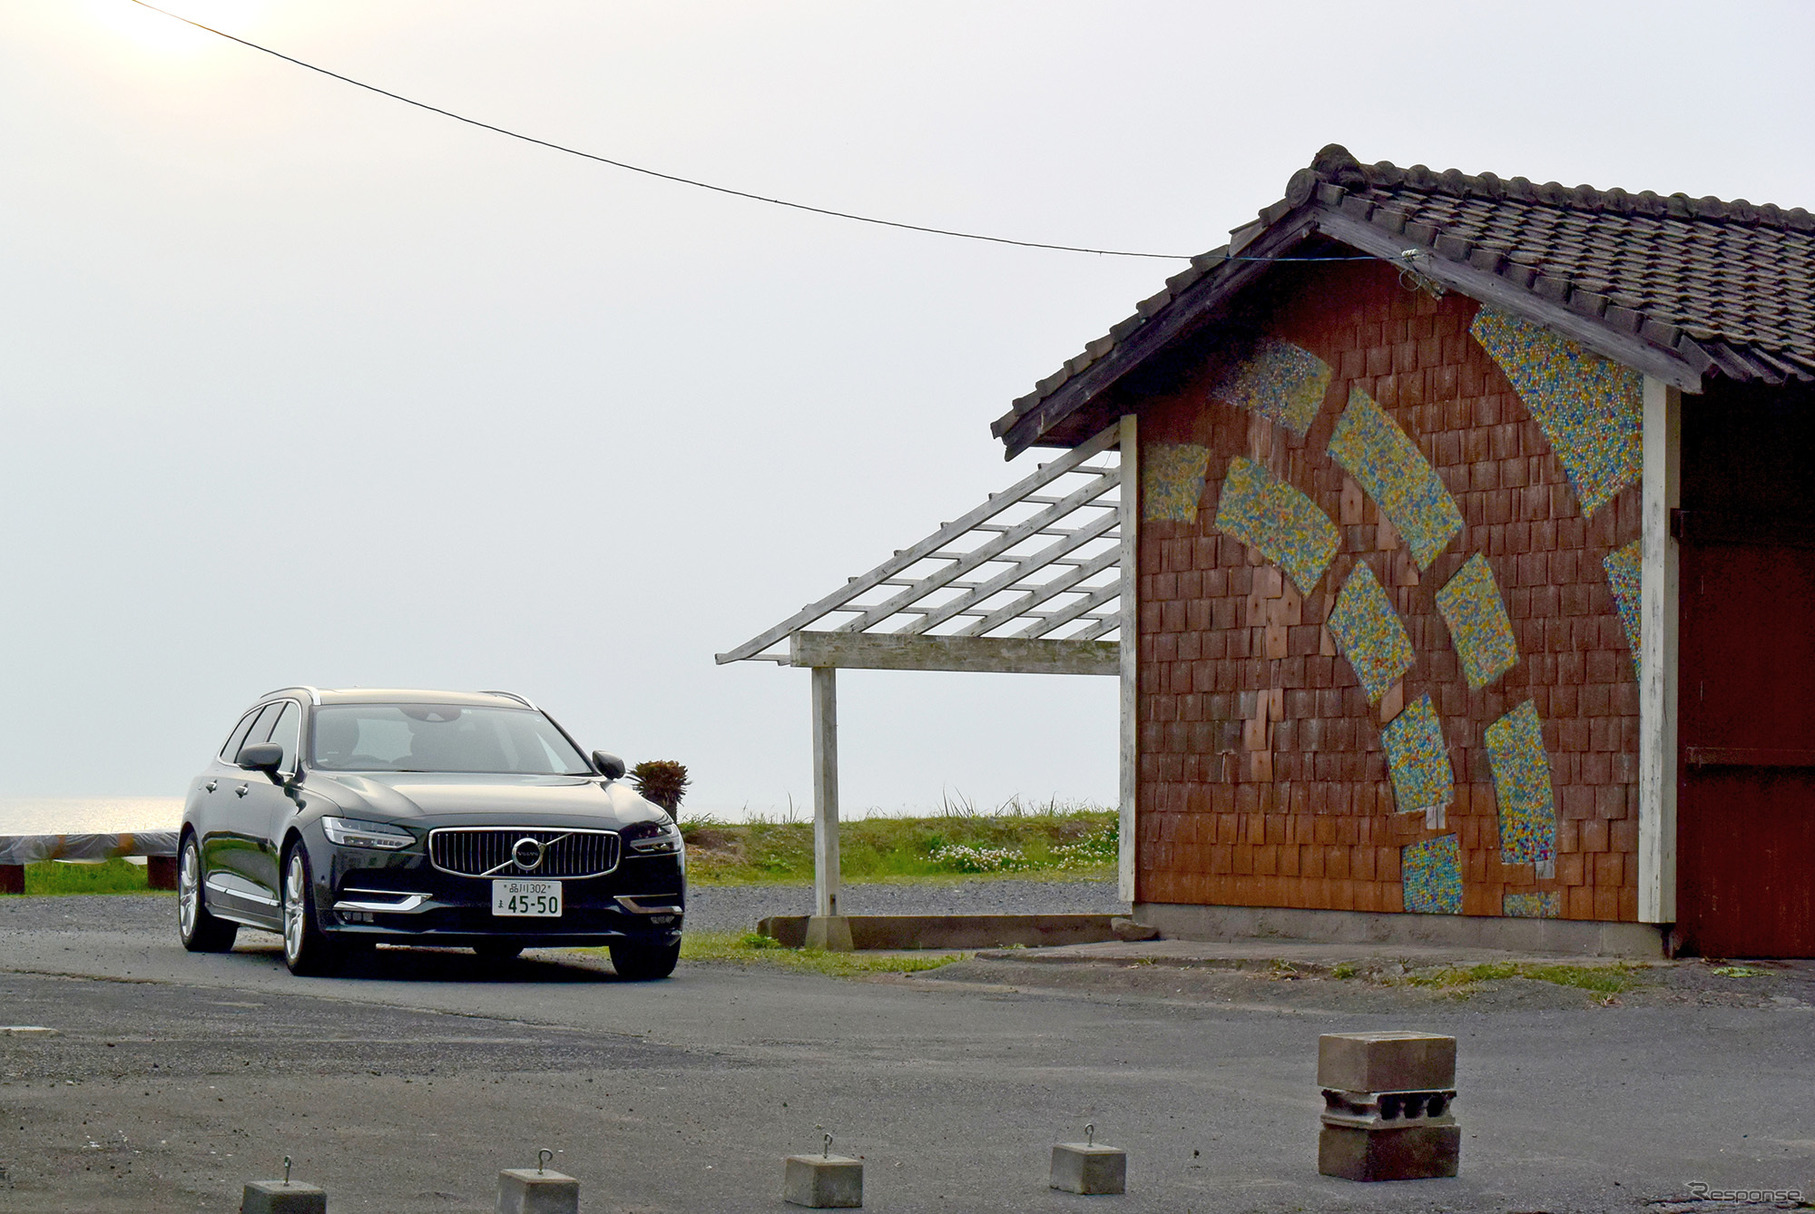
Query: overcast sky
x,y
299,384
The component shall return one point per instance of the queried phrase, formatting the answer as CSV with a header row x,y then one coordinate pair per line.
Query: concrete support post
x,y
1128,526
1387,1099
1658,600
827,928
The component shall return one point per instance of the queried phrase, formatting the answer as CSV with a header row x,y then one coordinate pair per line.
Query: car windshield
x,y
440,738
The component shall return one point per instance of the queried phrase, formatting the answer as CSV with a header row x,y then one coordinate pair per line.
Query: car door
x,y
234,848
211,815
270,806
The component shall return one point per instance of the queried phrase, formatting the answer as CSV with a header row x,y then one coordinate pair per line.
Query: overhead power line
x,y
648,172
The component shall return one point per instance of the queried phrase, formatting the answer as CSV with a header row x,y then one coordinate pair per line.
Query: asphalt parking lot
x,y
172,1079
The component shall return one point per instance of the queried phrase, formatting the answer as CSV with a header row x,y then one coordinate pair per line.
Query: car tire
x,y
307,949
198,929
644,962
497,952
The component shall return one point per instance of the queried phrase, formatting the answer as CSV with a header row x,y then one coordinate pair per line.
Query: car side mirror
x,y
262,756
609,765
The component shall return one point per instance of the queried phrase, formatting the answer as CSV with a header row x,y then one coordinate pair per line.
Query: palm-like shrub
x,y
662,781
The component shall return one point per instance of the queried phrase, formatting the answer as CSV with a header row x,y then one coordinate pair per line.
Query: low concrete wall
x,y
1569,936
951,931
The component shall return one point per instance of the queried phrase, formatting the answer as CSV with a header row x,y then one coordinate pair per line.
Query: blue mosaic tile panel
x,y
1172,481
1532,906
1589,407
1418,759
1478,625
1625,568
1370,633
1279,381
1515,752
1372,448
1271,516
1431,872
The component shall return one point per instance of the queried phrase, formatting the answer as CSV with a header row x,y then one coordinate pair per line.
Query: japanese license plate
x,y
540,899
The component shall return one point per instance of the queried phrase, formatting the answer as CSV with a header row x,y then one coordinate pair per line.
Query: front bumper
x,y
401,897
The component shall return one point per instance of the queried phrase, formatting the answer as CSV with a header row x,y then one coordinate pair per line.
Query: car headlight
x,y
652,838
351,832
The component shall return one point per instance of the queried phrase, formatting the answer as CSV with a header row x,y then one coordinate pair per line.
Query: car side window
x,y
288,733
261,728
237,738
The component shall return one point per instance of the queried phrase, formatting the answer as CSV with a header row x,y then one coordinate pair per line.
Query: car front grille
x,y
486,851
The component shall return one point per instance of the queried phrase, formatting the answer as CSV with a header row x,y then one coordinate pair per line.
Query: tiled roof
x,y
1679,287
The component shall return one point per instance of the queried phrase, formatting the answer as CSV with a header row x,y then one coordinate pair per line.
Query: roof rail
x,y
509,695
314,694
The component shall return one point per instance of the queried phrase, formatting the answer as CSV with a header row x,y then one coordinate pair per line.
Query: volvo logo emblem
x,y
527,852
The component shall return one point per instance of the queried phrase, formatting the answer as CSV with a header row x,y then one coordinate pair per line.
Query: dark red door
x,y
1746,765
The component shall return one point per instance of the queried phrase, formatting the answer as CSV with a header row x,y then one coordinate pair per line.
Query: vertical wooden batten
x,y
1128,526
825,792
1658,614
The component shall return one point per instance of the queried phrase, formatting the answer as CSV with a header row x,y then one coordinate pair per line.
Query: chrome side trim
x,y
630,902
406,904
221,887
314,693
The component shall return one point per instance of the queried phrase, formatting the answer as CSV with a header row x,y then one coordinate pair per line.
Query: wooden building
x,y
1476,567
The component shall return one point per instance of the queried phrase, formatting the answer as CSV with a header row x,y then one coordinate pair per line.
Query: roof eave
x,y
1195,305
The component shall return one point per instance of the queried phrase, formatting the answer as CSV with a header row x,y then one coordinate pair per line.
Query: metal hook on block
x,y
1090,1134
827,1153
286,1169
542,1158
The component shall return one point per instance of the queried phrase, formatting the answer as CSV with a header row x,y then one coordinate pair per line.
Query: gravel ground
x,y
736,908
710,908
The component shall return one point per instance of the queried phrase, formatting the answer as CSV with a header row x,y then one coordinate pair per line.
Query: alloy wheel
x,y
295,906
189,890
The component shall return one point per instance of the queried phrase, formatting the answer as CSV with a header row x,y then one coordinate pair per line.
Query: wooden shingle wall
x,y
1262,776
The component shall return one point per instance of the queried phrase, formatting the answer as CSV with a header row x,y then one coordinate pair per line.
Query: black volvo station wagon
x,y
470,819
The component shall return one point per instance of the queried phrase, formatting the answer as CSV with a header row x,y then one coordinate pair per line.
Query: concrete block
x,y
823,1182
533,1191
283,1197
1080,1167
1414,1153
830,932
1386,1062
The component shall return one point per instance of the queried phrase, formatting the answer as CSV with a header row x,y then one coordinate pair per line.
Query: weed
x,y
1608,980
1343,970
115,876
752,949
1738,971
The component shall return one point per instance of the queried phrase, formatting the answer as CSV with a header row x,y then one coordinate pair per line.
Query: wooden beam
x,y
1128,764
825,792
1490,288
998,655
1661,494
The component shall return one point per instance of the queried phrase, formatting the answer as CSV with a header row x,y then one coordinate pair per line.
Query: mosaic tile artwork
x,y
1271,516
1418,760
1370,633
1532,906
1372,448
1589,407
1476,615
1172,481
1279,381
1528,824
1432,874
1624,570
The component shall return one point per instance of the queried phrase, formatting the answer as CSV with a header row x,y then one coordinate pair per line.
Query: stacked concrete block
x,y
1387,1100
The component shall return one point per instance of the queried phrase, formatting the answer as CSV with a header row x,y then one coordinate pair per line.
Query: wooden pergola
x,y
1036,580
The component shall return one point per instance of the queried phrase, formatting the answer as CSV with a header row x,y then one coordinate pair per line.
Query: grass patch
x,y
1596,979
114,876
1054,840
752,949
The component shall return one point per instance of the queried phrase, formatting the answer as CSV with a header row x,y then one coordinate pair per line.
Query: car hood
x,y
555,800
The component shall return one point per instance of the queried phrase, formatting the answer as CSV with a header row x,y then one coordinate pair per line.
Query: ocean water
x,y
88,815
